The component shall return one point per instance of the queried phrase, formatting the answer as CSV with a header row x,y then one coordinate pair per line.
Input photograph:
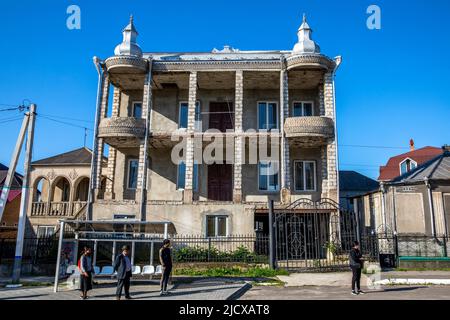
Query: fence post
x,y
396,249
445,246
271,238
209,249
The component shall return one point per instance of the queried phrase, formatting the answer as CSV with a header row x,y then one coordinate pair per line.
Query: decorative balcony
x,y
309,131
120,131
57,209
126,64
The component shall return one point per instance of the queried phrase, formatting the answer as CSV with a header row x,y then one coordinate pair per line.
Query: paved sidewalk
x,y
342,279
343,293
203,289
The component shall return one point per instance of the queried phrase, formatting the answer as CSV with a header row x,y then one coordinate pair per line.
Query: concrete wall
x,y
187,218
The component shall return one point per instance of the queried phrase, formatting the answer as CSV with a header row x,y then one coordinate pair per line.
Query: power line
x,y
11,120
67,118
64,122
373,147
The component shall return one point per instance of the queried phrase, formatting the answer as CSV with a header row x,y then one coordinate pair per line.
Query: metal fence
x,y
35,250
422,246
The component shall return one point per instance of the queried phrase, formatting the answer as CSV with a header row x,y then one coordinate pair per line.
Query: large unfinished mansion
x,y
150,103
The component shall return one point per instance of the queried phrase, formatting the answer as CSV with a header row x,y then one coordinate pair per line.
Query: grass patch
x,y
231,271
421,269
269,282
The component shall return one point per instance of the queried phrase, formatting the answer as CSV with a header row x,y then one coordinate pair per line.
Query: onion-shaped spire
x,y
129,47
305,44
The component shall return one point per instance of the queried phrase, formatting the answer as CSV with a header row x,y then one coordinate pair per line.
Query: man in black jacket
x,y
356,264
122,265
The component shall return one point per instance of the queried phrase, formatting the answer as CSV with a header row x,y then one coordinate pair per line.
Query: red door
x,y
220,183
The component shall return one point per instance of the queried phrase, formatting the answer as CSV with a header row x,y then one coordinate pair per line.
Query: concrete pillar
x,y
238,140
101,145
284,156
189,157
141,190
110,171
332,190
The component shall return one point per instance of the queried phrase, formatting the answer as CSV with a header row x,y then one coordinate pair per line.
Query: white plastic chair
x,y
72,269
106,271
158,270
148,271
135,270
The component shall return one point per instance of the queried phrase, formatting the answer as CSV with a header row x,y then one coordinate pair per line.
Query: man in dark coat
x,y
122,265
356,264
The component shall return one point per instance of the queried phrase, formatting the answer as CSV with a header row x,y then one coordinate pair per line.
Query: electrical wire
x,y
67,118
64,122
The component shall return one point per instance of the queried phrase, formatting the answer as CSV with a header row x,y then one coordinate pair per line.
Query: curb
x,y
414,281
238,293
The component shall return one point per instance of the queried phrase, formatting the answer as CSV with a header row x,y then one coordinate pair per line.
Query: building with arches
x,y
59,190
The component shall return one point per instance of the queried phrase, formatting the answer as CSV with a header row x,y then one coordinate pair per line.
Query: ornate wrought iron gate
x,y
317,236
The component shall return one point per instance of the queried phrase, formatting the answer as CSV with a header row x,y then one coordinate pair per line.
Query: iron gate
x,y
317,236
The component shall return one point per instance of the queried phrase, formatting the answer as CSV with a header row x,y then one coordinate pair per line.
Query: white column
x,y
332,170
285,158
189,157
238,140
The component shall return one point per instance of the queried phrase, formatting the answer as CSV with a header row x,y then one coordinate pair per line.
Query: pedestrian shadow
x,y
384,290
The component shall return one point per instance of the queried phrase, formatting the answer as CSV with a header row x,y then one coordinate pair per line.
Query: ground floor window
x,y
45,231
305,175
133,166
216,226
268,175
181,180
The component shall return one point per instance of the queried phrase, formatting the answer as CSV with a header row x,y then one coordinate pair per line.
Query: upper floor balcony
x,y
309,131
117,131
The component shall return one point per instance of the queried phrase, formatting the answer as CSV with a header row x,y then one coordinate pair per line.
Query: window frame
x,y
197,114
195,180
277,120
278,178
47,228
304,176
303,107
410,168
216,224
128,172
132,109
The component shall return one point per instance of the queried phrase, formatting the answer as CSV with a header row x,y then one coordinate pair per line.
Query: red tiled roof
x,y
392,169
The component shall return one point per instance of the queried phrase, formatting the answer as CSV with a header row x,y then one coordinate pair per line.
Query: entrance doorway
x,y
220,182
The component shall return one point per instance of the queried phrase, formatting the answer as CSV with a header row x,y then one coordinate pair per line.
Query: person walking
x,y
86,271
356,264
122,265
165,258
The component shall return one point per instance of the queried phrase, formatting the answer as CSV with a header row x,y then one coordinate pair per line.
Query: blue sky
x,y
393,84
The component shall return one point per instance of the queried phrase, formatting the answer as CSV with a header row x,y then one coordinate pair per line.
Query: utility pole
x,y
12,166
31,115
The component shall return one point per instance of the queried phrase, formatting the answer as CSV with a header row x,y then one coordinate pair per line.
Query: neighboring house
x,y
403,163
59,189
10,218
352,184
240,94
415,203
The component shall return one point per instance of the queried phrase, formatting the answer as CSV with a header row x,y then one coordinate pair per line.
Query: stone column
x,y
141,188
238,140
331,150
285,194
111,169
101,145
189,156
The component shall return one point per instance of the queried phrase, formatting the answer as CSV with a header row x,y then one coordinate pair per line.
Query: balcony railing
x,y
309,130
56,209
